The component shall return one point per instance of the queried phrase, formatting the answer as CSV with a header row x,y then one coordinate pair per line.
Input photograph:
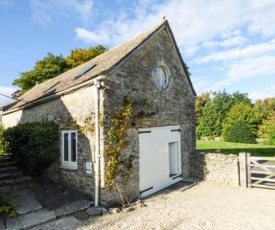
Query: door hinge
x,y
175,130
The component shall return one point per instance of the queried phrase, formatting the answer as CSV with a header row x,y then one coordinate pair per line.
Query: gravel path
x,y
204,206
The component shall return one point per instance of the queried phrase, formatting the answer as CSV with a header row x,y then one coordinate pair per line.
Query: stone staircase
x,y
11,177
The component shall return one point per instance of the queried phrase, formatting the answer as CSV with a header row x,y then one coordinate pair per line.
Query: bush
x,y
241,133
33,145
269,141
1,138
198,133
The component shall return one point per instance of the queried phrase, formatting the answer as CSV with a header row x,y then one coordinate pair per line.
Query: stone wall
x,y
215,167
79,105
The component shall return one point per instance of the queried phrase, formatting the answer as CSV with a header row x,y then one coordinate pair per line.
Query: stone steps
x,y
7,169
11,177
9,163
4,158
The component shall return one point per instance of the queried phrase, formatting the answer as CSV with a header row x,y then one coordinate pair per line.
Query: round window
x,y
161,78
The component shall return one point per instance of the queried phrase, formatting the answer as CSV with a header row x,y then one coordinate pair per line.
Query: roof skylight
x,y
85,71
51,87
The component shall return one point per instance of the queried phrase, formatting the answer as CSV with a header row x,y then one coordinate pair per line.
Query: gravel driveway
x,y
206,205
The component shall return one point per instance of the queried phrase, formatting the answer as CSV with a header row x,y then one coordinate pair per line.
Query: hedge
x,y
33,145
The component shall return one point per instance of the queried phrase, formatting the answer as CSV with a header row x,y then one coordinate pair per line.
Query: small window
x,y
69,149
161,77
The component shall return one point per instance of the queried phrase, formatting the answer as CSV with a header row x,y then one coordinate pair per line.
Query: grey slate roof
x,y
104,63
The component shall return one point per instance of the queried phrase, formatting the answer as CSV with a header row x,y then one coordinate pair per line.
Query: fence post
x,y
243,169
248,170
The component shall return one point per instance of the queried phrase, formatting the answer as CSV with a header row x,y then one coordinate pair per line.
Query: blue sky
x,y
226,44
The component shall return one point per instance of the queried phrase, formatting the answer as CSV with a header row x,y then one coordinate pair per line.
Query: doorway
x,y
160,158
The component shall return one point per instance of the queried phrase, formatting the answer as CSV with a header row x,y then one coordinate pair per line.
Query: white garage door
x,y
160,158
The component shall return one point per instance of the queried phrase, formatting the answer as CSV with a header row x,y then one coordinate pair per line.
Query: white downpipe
x,y
97,154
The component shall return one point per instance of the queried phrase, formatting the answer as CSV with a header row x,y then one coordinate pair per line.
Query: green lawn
x,y
236,148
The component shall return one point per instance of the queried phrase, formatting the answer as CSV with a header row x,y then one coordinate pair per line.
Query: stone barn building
x,y
150,72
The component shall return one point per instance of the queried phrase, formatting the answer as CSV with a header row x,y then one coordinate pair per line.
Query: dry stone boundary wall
x,y
216,167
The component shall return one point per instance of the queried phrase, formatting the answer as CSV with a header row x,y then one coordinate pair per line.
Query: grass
x,y
236,148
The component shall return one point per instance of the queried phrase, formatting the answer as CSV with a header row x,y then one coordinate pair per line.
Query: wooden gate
x,y
257,171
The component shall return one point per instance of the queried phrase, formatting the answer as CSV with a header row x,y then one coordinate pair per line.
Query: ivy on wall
x,y
118,169
87,127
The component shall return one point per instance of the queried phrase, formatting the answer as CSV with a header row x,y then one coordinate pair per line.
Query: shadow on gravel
x,y
179,186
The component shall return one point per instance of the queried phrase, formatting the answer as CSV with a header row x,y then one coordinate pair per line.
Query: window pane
x,y
73,147
162,79
66,142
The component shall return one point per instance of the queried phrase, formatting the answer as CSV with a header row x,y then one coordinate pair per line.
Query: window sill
x,y
69,167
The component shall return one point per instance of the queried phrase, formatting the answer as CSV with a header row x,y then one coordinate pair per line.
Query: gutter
x,y
53,96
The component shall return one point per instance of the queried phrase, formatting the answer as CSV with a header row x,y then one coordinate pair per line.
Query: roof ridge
x,y
106,61
140,34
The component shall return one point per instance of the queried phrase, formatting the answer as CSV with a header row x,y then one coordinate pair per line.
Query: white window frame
x,y
69,164
161,75
162,78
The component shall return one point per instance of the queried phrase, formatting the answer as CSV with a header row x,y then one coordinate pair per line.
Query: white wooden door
x,y
160,158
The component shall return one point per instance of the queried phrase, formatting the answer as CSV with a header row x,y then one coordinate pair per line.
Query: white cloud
x,y
252,67
229,42
200,84
44,11
231,34
193,21
40,13
234,41
101,37
7,91
190,50
255,95
245,69
249,51
262,19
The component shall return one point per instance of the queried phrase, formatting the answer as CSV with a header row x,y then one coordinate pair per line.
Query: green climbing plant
x,y
88,124
118,169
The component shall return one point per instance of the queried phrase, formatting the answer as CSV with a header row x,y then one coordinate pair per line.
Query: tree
x,y
79,56
45,69
214,111
209,124
267,128
51,66
240,132
265,106
241,98
200,104
243,112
